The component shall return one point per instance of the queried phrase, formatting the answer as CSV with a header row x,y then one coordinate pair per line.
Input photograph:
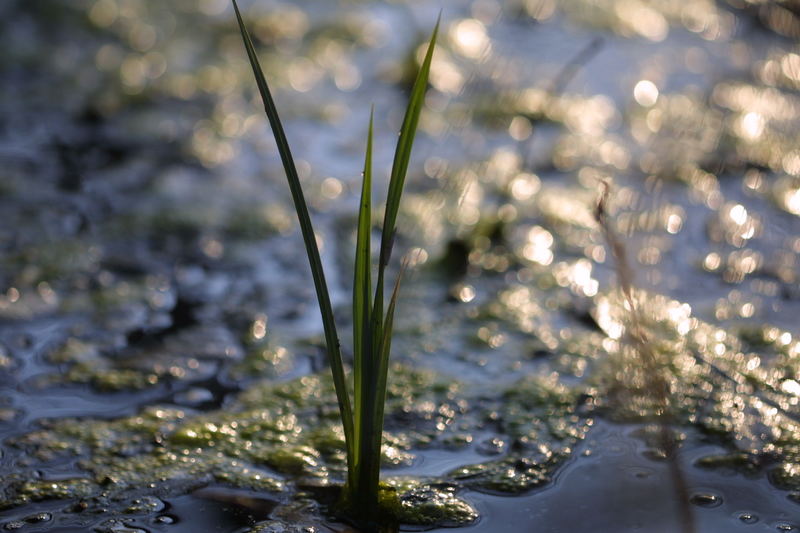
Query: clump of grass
x,y
372,320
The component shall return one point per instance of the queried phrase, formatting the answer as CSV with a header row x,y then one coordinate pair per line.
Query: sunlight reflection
x,y
538,247
752,125
646,93
469,38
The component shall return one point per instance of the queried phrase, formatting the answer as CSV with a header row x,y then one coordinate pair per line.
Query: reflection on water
x,y
154,301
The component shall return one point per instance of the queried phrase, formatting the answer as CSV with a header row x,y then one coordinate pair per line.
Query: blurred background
x,y
151,257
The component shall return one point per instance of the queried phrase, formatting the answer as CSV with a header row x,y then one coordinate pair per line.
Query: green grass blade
x,y
362,287
402,155
331,337
381,377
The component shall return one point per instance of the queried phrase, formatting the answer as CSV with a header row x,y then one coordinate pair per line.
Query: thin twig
x,y
657,382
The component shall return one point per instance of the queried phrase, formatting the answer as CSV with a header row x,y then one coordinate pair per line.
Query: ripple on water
x,y
165,519
747,518
706,499
118,526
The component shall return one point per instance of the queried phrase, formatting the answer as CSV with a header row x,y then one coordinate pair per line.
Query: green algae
x,y
186,355
100,373
402,500
541,415
735,397
787,476
277,526
73,350
270,438
739,462
84,363
295,460
281,437
510,475
539,404
25,491
262,360
257,222
727,387
248,222
115,437
277,437
738,387
53,261
739,392
424,504
112,379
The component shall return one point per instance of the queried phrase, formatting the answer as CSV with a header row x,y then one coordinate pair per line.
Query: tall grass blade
x,y
376,374
399,168
381,375
331,337
362,287
372,331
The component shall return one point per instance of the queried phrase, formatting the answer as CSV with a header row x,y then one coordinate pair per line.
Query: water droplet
x,y
38,518
78,507
706,499
748,518
493,446
145,505
117,526
165,519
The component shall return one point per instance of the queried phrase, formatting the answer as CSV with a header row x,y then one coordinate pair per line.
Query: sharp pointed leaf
x,y
381,375
331,337
402,156
362,287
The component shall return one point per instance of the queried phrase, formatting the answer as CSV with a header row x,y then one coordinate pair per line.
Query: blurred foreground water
x,y
161,365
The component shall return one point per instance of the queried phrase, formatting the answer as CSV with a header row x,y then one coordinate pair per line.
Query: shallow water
x,y
616,488
152,281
